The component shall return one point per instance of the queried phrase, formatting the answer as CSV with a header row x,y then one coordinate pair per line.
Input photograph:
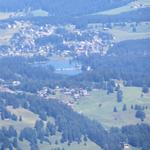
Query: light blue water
x,y
63,66
61,63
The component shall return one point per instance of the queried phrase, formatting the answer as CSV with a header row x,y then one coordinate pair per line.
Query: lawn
x,y
29,119
125,32
40,13
89,106
25,145
5,15
142,27
121,35
74,146
126,8
7,33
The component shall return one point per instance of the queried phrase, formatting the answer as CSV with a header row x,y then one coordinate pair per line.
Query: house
x,y
76,96
88,68
126,147
67,93
84,93
70,104
16,83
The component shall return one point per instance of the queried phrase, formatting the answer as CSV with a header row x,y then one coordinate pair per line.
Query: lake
x,y
63,66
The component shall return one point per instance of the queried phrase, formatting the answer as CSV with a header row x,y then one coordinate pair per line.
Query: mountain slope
x,y
63,7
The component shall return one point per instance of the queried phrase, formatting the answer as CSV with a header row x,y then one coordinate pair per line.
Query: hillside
x,y
75,74
63,7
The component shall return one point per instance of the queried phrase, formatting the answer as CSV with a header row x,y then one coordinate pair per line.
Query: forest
x,y
102,103
71,124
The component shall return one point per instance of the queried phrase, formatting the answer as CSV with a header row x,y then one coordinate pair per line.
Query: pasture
x,y
99,106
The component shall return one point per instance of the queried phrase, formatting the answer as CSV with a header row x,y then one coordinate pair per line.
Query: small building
x,y
16,83
126,147
85,93
76,96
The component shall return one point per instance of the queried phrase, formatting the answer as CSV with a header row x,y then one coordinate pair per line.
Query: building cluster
x,y
45,92
24,42
137,4
6,86
74,94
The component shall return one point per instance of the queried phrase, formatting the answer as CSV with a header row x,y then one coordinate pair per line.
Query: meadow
x,y
29,119
99,106
5,15
129,7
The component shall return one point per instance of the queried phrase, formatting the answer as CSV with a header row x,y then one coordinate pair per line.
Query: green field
x,y
39,12
74,146
4,15
121,35
7,34
129,7
89,106
142,27
98,105
126,32
29,119
7,15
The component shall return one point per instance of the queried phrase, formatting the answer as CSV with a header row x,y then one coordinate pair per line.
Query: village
x,y
29,40
72,96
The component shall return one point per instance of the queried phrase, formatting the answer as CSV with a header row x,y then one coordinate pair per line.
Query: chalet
x,y
67,93
84,93
70,104
88,68
126,147
5,89
105,28
16,83
76,96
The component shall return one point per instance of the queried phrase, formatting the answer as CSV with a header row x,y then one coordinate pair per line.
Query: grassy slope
x,y
4,15
74,146
121,35
89,106
39,12
142,27
126,8
29,119
7,34
125,32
